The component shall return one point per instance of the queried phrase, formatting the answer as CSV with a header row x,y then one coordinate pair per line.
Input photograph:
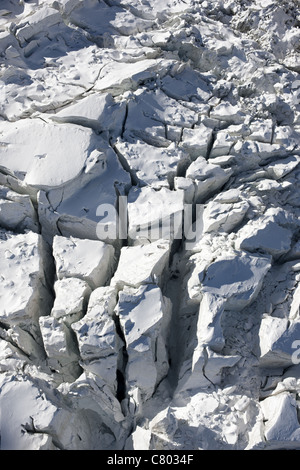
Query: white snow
x,y
36,161
227,112
162,210
89,260
23,288
77,292
265,236
208,178
197,140
143,312
142,264
153,166
99,112
17,211
282,425
168,319
97,338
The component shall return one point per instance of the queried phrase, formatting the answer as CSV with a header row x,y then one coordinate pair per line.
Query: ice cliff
x,y
114,336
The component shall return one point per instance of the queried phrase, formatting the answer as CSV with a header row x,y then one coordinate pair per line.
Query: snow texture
x,y
176,327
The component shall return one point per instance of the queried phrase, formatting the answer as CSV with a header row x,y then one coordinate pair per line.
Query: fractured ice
x,y
137,336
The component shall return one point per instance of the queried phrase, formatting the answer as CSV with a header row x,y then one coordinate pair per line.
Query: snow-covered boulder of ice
x,y
205,370
267,151
149,165
265,236
89,260
282,167
97,323
188,186
10,357
71,297
172,424
186,85
282,430
149,112
236,279
39,159
142,264
39,420
139,440
222,144
224,212
164,423
95,400
154,215
97,188
286,135
123,76
24,290
60,348
113,19
164,109
207,177
97,336
227,112
197,141
229,283
31,411
144,314
17,211
37,22
66,6
279,342
99,112
209,325
196,267
261,130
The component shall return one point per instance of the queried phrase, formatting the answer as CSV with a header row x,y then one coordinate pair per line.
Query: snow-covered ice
x,y
149,225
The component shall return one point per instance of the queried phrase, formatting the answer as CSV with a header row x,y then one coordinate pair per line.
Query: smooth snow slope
x,y
150,340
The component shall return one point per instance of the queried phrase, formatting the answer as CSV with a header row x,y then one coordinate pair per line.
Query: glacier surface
x,y
149,225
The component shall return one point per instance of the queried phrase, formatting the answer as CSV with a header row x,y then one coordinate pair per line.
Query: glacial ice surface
x,y
177,328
